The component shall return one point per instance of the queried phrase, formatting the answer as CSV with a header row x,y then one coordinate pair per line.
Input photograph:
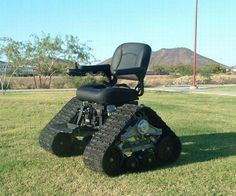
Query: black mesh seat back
x,y
131,55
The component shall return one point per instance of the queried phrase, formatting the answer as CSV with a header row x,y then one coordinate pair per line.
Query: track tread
x,y
58,124
113,128
106,136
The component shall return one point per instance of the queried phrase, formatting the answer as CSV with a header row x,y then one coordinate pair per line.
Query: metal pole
x,y
195,46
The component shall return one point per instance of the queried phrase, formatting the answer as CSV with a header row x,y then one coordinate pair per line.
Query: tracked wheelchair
x,y
105,123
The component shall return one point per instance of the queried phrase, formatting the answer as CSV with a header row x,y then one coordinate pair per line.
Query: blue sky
x,y
108,23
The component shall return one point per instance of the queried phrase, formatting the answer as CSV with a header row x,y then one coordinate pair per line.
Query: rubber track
x,y
58,124
106,136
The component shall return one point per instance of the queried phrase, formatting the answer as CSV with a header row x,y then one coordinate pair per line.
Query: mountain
x,y
175,56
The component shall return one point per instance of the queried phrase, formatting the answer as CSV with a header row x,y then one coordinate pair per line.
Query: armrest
x,y
95,68
135,70
82,70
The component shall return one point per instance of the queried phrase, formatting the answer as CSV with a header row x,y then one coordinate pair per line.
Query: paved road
x,y
199,90
181,89
41,90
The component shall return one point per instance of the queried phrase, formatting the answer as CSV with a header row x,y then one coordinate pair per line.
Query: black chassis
x,y
90,117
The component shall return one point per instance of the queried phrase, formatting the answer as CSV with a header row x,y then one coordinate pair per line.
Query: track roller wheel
x,y
112,161
131,164
79,145
148,159
168,149
62,143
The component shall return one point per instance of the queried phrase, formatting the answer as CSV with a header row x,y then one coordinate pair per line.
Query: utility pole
x,y
195,46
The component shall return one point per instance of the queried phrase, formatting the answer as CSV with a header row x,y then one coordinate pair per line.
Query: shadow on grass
x,y
200,148
205,147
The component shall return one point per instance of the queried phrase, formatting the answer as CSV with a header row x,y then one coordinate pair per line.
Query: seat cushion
x,y
106,95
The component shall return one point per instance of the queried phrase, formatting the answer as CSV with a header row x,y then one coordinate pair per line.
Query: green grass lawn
x,y
206,125
228,88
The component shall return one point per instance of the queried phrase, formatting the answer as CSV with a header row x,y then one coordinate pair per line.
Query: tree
x,y
49,55
42,53
46,54
161,69
13,52
74,51
181,69
208,70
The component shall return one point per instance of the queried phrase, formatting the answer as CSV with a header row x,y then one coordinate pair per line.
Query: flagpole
x,y
195,46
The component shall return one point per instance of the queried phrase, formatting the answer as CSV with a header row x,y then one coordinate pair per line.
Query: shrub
x,y
183,70
74,82
208,70
186,70
161,69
